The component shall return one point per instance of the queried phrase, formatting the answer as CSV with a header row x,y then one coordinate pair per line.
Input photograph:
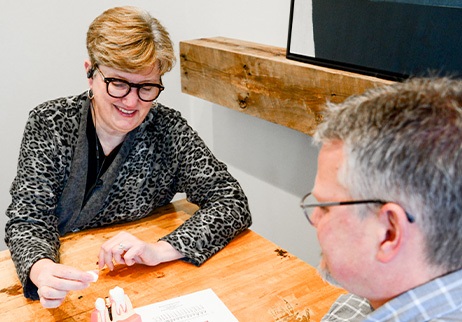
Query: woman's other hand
x,y
124,248
54,281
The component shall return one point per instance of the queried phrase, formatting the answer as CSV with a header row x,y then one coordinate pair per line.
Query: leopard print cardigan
x,y
160,158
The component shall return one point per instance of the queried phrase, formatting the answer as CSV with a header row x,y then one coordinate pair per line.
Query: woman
x,y
113,154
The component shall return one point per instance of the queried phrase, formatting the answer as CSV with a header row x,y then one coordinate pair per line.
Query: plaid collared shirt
x,y
348,308
437,300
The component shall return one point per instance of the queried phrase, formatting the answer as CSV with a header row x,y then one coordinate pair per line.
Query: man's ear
x,y
393,232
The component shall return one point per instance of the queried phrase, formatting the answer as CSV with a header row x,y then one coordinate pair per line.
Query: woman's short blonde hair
x,y
129,39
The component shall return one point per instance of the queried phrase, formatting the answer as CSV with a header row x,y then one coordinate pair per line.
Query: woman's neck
x,y
107,138
108,141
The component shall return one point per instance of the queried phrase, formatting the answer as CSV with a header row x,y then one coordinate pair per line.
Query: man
x,y
387,202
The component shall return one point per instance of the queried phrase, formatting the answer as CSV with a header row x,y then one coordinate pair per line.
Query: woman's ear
x,y
89,69
394,231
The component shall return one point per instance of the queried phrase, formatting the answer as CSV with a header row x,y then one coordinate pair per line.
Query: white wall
x,y
43,49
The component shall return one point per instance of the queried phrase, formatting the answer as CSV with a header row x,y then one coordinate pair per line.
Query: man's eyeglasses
x,y
118,88
309,203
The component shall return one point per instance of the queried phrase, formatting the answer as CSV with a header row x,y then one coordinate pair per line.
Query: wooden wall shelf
x,y
259,80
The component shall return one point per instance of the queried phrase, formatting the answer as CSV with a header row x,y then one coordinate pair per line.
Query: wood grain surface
x,y
260,81
257,280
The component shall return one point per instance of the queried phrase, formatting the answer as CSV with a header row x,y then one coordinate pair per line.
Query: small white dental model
x,y
117,309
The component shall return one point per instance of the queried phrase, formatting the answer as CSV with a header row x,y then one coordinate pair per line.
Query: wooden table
x,y
257,280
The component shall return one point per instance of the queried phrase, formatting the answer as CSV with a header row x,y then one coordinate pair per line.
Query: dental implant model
x,y
117,309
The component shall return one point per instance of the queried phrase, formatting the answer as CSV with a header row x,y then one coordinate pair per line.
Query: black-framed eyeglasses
x,y
119,88
309,203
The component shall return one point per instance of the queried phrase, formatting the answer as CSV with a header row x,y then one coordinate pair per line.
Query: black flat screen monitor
x,y
391,39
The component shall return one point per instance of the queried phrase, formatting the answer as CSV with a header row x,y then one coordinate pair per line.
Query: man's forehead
x,y
330,159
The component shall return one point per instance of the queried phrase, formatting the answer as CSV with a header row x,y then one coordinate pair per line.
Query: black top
x,y
98,162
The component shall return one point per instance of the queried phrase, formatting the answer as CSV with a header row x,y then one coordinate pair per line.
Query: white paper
x,y
201,306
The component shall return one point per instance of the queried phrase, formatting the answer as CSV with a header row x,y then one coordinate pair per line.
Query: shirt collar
x,y
436,298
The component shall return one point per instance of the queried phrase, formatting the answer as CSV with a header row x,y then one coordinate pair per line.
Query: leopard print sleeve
x,y
31,232
223,212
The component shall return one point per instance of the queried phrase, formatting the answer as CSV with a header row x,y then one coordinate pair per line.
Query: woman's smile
x,y
125,112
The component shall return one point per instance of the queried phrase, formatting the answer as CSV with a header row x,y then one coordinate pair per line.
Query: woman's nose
x,y
132,97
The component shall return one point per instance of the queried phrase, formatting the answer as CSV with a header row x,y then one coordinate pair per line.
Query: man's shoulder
x,y
348,307
436,300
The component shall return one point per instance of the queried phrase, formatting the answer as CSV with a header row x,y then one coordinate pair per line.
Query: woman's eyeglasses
x,y
118,88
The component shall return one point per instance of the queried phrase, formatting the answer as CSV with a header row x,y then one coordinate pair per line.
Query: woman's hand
x,y
54,281
124,248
